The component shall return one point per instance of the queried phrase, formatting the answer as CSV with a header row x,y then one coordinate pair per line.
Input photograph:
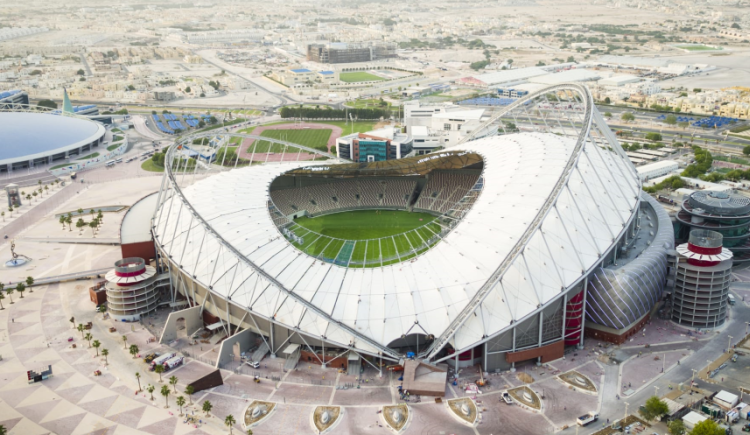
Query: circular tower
x,y
702,281
131,289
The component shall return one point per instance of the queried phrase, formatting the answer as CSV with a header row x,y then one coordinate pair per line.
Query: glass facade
x,y
373,151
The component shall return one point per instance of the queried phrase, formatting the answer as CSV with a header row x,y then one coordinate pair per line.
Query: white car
x,y
253,364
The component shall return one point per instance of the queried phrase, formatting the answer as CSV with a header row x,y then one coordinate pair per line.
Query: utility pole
x,y
656,391
729,347
626,410
692,381
663,359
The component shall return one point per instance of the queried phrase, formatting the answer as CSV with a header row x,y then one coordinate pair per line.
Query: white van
x,y
732,300
110,163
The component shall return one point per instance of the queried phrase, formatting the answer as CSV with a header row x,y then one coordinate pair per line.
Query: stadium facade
x,y
541,235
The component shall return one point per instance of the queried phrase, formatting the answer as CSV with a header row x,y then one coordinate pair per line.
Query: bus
x,y
118,160
110,163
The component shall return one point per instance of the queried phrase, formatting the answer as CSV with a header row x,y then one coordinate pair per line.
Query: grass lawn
x,y
312,138
697,47
90,156
732,159
238,140
113,146
149,165
360,76
366,238
64,165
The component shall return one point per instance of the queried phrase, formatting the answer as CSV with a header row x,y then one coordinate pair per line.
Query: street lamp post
x,y
656,391
626,410
729,347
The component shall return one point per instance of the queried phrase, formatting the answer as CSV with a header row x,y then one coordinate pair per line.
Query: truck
x,y
150,357
172,363
161,360
507,399
587,419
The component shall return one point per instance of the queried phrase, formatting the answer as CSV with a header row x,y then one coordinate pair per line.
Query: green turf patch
x,y
312,138
149,165
697,47
64,165
90,156
366,238
360,76
114,146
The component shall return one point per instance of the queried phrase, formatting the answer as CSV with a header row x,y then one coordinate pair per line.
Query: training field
x,y
313,138
361,76
697,47
366,238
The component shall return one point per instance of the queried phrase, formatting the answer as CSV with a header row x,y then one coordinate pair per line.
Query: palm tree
x,y
80,329
93,224
180,402
10,209
28,198
229,421
29,283
80,224
249,432
3,215
69,221
3,430
80,211
88,337
20,288
10,294
173,382
105,354
46,187
159,369
96,345
133,350
207,407
165,392
34,194
189,390
150,390
2,296
100,216
138,378
125,339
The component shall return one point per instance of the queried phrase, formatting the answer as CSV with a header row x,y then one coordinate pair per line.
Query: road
x,y
139,123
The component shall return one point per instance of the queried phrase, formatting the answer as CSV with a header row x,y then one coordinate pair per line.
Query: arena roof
x,y
245,258
31,135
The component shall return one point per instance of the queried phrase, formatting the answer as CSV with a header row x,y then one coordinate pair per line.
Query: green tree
x,y
2,296
671,120
607,114
9,292
20,288
159,369
607,100
707,427
80,224
80,329
133,350
207,407
654,137
69,221
165,392
62,221
105,354
189,390
125,340
229,421
47,103
88,337
138,378
180,402
627,117
676,427
29,283
173,382
188,90
654,408
150,390
746,150
3,430
93,224
96,345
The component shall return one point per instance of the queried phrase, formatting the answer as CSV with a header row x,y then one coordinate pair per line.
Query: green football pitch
x,y
313,138
366,238
361,76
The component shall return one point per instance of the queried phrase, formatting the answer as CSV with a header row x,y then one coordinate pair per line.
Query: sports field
x,y
360,76
312,138
366,238
697,47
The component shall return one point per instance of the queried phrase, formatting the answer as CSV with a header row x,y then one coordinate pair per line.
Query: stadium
x,y
33,137
506,248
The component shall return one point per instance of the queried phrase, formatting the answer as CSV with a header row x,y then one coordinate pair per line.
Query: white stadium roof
x,y
247,260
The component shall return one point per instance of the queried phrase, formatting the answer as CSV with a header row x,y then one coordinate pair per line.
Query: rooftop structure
x,y
725,212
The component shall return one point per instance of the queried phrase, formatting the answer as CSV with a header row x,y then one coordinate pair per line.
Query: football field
x,y
366,238
313,138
